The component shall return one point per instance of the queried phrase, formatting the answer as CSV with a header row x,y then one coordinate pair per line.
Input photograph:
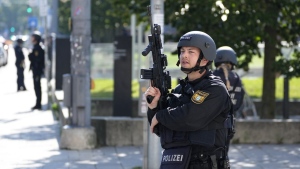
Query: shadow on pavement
x,y
24,112
7,121
264,156
34,133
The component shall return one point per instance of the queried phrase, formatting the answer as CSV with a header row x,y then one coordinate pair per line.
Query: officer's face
x,y
189,56
33,41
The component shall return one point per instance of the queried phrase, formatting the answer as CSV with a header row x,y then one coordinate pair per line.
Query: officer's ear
x,y
204,59
204,62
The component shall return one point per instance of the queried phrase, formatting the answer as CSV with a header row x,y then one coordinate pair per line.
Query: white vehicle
x,y
3,56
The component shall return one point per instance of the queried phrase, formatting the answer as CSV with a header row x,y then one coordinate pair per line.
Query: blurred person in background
x,y
37,65
225,62
20,64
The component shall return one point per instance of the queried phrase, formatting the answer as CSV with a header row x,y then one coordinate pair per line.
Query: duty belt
x,y
217,158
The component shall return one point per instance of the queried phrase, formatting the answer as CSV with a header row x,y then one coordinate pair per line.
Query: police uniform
x,y
226,54
193,128
236,91
37,65
20,65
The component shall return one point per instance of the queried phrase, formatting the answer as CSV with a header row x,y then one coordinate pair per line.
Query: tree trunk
x,y
268,97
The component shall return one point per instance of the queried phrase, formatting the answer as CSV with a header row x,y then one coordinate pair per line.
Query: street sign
x,y
32,22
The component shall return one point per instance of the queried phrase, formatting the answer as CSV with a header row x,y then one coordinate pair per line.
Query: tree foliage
x,y
242,25
13,14
239,24
107,20
289,67
271,22
64,14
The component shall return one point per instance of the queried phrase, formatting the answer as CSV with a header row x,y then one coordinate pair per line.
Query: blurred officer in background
x,y
37,65
225,62
20,64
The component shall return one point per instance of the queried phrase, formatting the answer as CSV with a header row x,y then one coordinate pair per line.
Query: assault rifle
x,y
159,77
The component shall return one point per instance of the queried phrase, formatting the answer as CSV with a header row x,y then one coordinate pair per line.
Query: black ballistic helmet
x,y
225,54
199,40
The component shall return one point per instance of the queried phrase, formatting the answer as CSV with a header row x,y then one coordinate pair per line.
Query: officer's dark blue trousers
x,y
20,78
37,88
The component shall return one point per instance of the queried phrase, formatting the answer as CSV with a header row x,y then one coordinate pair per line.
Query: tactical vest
x,y
205,137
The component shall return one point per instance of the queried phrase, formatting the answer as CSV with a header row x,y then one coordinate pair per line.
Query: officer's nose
x,y
183,55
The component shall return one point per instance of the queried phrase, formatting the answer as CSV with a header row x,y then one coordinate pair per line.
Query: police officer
x,y
192,129
225,62
20,64
37,65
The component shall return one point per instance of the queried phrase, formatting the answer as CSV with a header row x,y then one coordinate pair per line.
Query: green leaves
x,y
64,14
239,24
289,67
14,15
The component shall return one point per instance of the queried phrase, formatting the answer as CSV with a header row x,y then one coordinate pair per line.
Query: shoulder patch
x,y
36,53
199,96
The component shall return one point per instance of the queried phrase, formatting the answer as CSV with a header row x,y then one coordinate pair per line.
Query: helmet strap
x,y
194,69
178,63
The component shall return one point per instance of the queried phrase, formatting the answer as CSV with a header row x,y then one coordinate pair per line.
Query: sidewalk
x,y
29,139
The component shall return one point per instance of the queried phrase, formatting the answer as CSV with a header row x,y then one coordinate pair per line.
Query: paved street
x,y
29,139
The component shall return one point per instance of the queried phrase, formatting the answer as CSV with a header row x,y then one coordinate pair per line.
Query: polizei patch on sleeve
x,y
185,38
199,97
